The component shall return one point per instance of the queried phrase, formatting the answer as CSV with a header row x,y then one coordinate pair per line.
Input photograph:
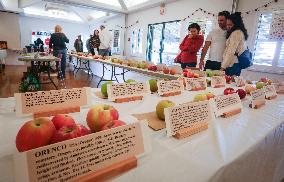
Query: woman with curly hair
x,y
235,44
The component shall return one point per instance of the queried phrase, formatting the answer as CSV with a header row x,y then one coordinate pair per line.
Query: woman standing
x,y
235,44
57,43
95,42
190,46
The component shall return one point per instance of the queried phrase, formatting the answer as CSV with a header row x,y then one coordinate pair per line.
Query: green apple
x,y
260,85
153,85
161,106
200,97
104,88
130,81
210,73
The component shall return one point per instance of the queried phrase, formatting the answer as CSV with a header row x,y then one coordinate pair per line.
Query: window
x,y
268,51
136,41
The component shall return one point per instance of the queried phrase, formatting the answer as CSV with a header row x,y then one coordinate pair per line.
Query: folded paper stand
x,y
258,105
57,111
231,113
171,94
128,99
110,171
186,132
271,97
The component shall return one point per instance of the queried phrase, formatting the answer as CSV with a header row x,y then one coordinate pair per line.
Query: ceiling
x,y
83,11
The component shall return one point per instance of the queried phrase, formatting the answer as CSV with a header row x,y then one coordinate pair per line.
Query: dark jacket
x,y
95,42
57,41
189,48
78,45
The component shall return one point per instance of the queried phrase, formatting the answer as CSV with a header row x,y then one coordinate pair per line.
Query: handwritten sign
x,y
226,103
257,97
200,73
126,90
71,159
167,87
195,84
31,102
186,115
240,81
218,81
269,91
279,87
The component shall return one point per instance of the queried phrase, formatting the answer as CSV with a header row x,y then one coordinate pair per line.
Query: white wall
x,y
10,29
174,11
29,24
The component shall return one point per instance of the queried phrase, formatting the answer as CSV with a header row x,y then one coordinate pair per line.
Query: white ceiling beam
x,y
122,4
26,3
78,14
90,4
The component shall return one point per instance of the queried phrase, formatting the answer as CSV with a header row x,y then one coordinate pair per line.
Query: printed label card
x,y
257,98
200,73
73,159
270,91
187,116
195,84
218,73
42,101
218,81
226,104
240,81
127,90
279,87
170,87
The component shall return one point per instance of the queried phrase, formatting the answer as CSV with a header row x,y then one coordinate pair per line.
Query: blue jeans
x,y
63,54
184,65
234,70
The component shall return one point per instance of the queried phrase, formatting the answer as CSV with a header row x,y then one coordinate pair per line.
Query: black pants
x,y
184,65
212,65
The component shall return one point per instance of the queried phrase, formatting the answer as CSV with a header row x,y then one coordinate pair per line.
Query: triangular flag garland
x,y
210,13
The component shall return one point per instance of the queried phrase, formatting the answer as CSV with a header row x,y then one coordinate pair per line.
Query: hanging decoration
x,y
199,10
126,27
162,9
260,7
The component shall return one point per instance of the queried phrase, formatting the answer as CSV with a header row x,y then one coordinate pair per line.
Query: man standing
x,y
105,41
88,45
216,40
78,44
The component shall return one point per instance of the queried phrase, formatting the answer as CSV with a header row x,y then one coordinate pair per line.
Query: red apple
x,y
242,93
172,72
35,133
166,71
210,95
83,130
66,133
228,79
264,79
154,68
113,124
100,115
60,120
190,75
150,67
185,70
228,91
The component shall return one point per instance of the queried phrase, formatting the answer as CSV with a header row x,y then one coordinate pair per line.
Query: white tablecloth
x,y
245,147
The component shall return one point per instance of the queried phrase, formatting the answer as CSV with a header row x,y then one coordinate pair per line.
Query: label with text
x,y
172,86
31,102
218,81
127,90
186,115
257,97
194,84
71,159
226,103
269,91
200,73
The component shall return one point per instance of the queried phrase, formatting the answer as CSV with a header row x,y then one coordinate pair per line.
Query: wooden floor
x,y
11,78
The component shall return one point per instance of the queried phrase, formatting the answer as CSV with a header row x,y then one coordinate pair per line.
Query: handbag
x,y
245,59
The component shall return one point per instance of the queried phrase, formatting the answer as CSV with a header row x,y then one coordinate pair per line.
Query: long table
x,y
246,147
125,69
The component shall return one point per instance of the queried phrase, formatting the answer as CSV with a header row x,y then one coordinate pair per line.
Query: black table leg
x,y
48,74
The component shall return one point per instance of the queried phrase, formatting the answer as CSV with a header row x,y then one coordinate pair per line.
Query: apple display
x,y
228,91
172,72
161,106
113,124
60,120
242,93
249,88
66,133
260,85
229,79
153,85
35,133
166,71
100,115
104,88
200,97
130,81
210,95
